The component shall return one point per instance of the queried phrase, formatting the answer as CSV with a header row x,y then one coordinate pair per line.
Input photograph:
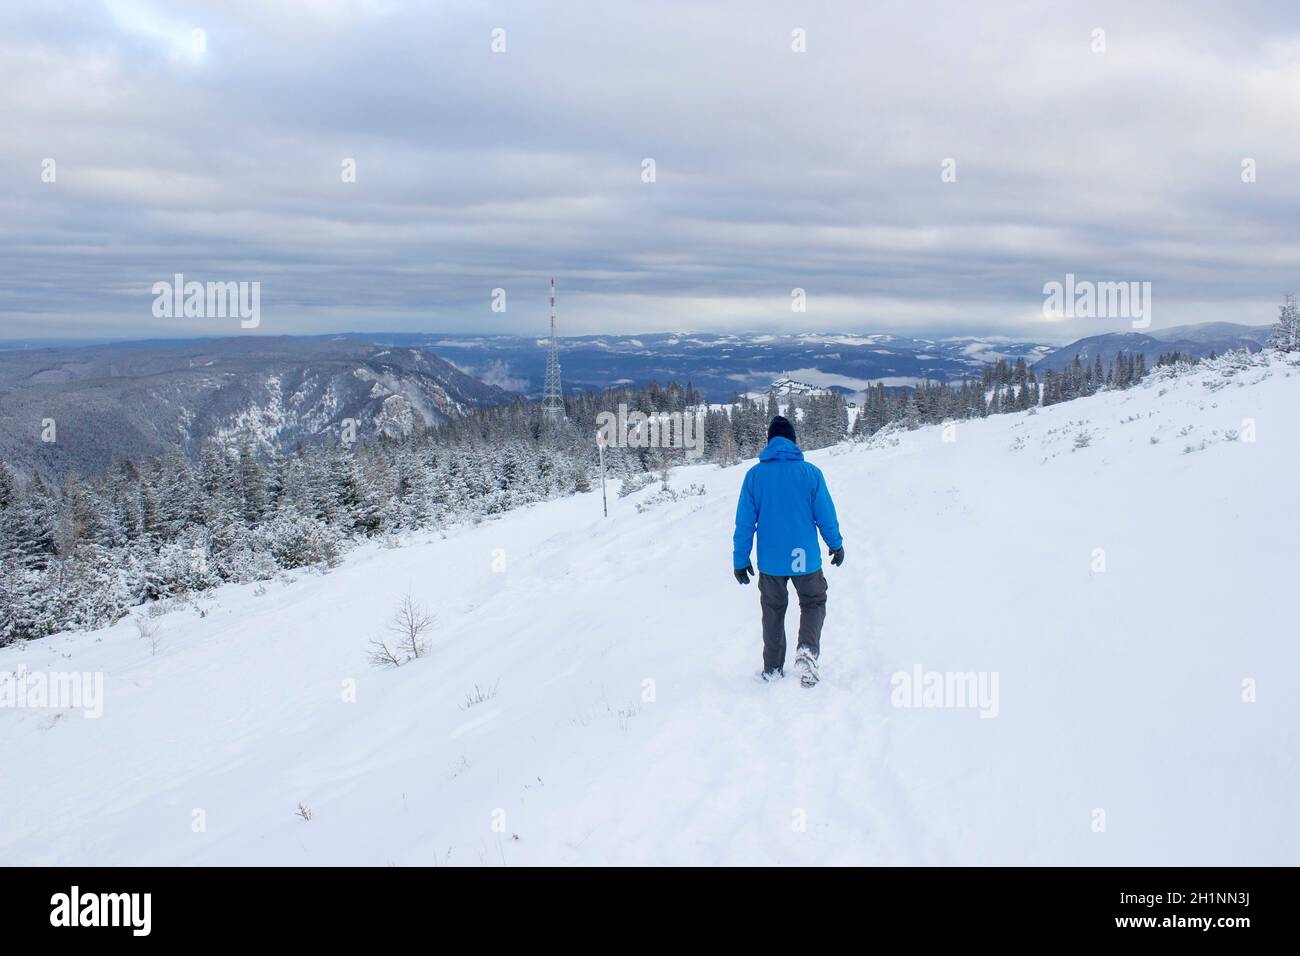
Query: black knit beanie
x,y
781,428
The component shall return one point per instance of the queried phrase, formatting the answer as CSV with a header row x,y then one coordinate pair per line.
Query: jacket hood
x,y
781,449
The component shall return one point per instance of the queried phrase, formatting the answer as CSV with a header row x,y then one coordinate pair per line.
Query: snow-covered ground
x,y
1122,589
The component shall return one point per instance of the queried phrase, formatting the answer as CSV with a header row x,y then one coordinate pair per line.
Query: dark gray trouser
x,y
774,597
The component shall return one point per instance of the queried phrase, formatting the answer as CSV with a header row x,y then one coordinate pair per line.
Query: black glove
x,y
837,556
742,574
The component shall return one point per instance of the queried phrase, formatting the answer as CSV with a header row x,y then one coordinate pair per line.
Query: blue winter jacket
x,y
786,499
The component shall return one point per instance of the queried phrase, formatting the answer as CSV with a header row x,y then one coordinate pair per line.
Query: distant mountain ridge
x,y
1195,341
720,364
132,400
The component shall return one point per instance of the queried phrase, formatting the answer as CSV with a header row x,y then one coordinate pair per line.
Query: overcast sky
x,y
220,156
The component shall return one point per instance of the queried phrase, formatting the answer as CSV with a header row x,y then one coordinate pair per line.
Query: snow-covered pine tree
x,y
1286,333
180,504
726,453
252,485
8,487
33,532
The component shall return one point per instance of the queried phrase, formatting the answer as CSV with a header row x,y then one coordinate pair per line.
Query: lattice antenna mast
x,y
553,394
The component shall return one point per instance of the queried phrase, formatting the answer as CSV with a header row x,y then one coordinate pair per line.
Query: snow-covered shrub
x,y
1163,375
26,611
176,567
665,495
296,540
241,554
1214,370
634,483
96,590
886,436
149,630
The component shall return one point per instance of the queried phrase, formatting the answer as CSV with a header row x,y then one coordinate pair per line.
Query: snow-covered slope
x,y
626,727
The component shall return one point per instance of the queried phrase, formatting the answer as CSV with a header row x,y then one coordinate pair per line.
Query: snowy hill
x,y
625,726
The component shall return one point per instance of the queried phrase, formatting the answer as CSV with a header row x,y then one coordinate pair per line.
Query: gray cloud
x,y
775,170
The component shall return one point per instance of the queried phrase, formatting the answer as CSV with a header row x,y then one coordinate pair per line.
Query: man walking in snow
x,y
785,498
